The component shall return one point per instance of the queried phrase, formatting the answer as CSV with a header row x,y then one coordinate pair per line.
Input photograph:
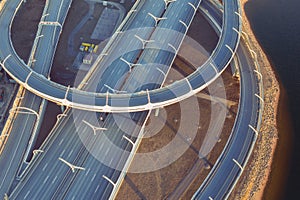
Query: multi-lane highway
x,y
47,164
225,173
63,182
144,100
235,155
24,127
72,126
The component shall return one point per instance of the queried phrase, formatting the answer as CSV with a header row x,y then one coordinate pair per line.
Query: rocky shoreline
x,y
257,172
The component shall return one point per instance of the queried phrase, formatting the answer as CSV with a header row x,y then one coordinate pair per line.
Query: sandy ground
x,y
187,173
254,179
23,39
182,178
252,182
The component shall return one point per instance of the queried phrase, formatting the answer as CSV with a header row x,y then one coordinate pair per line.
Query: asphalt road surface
x,y
143,100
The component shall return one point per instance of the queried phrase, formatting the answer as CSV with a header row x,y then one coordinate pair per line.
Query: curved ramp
x,y
107,102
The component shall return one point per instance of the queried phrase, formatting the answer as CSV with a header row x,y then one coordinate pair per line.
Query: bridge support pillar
x,y
235,67
156,112
62,108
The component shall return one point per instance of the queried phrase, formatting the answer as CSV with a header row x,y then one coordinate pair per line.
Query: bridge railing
x,y
253,127
21,91
10,120
260,106
55,90
217,29
139,138
108,45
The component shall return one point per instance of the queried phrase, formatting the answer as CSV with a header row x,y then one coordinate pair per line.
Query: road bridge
x,y
145,100
22,125
234,157
79,156
236,161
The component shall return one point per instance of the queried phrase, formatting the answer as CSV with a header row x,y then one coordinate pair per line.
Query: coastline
x,y
282,156
254,180
253,183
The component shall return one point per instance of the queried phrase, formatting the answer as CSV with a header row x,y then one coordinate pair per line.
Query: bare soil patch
x,y
25,25
170,181
162,183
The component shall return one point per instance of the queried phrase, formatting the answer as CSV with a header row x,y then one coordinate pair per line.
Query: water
x,y
276,24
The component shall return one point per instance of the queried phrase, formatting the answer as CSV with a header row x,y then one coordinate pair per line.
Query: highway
x,y
60,176
78,187
144,100
227,170
205,190
17,145
24,127
223,177
71,132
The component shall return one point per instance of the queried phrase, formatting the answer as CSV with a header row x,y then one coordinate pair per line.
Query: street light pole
x,y
94,128
157,19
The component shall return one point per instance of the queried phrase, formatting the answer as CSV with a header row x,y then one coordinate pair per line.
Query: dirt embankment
x,y
2,4
254,179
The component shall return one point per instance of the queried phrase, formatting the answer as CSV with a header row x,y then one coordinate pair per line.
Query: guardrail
x,y
258,72
108,45
259,120
217,28
8,125
139,138
129,160
260,97
21,91
142,100
68,109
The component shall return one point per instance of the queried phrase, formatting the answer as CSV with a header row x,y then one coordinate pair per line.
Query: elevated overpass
x,y
230,165
58,145
144,100
245,136
237,170
25,117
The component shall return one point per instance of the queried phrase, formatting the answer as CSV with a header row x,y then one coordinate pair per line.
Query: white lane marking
x,y
106,152
96,189
27,194
62,153
46,179
70,153
61,142
54,179
110,161
87,172
45,166
94,176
